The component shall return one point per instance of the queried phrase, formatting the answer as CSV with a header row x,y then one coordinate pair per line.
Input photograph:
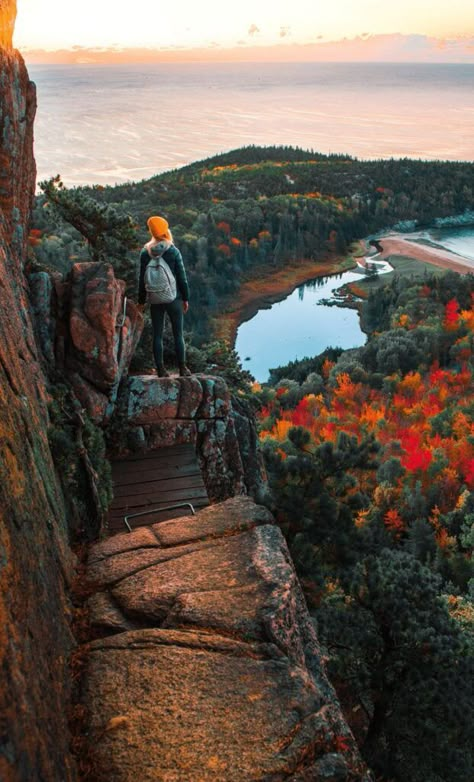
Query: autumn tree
x,y
315,494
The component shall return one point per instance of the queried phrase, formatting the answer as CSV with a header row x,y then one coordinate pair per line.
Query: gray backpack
x,y
160,282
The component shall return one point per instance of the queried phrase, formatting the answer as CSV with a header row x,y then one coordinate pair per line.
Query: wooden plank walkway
x,y
145,482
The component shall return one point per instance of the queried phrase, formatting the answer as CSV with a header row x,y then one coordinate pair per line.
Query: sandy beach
x,y
398,245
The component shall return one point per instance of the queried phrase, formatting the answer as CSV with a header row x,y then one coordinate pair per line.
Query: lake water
x,y
108,124
298,327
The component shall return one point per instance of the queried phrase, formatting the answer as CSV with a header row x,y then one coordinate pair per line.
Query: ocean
x,y
459,240
118,123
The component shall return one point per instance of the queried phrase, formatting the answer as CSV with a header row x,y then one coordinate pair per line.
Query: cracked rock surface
x,y
204,663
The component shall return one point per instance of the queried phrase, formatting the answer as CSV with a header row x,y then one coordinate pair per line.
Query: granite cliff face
x,y
35,562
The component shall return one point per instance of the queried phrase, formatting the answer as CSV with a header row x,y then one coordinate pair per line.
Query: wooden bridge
x,y
155,486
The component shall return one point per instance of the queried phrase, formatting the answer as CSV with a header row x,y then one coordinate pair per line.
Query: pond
x,y
298,327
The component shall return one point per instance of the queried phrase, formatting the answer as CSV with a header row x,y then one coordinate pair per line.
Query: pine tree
x,y
109,234
411,665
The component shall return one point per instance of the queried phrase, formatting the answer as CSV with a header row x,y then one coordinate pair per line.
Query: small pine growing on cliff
x,y
108,232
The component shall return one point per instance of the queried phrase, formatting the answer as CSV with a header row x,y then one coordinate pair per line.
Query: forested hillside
x,y
248,210
370,455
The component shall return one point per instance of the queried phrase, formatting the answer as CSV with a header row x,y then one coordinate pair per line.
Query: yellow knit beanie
x,y
159,228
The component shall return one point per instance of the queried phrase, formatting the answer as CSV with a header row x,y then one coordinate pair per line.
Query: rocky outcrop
x,y
205,663
196,410
104,326
35,563
88,329
255,477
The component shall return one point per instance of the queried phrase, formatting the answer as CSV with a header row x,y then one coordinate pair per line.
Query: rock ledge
x,y
205,664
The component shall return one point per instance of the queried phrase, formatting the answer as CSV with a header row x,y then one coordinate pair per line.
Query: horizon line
x,y
391,47
106,63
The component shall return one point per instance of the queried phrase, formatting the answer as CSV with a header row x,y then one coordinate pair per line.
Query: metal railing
x,y
156,510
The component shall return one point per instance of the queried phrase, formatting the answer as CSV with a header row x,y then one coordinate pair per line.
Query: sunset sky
x,y
205,24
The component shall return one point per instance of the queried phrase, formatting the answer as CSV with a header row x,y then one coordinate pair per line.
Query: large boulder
x,y
206,665
220,459
150,399
104,326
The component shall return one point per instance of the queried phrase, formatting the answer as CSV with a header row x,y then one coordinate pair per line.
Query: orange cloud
x,y
365,48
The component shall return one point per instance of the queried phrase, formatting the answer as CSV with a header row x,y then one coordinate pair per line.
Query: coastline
x,y
271,286
396,244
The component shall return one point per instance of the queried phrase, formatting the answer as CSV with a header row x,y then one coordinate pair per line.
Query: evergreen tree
x,y
412,666
108,232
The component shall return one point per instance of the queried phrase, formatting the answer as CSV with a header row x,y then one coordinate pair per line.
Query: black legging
x,y
175,314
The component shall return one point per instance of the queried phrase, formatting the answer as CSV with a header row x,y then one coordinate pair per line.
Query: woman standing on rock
x,y
163,284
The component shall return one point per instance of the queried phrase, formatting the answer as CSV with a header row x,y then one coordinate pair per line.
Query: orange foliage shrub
x,y
224,249
394,522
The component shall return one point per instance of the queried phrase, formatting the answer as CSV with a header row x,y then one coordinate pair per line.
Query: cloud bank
x,y
365,48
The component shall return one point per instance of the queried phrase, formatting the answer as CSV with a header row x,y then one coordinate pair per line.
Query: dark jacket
x,y
174,259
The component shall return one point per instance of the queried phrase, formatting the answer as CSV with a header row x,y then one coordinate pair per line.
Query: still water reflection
x,y
298,327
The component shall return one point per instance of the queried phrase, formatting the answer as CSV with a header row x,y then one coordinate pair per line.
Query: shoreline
x,y
396,244
262,292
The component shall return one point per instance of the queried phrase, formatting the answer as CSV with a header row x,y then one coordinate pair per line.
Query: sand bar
x,y
438,256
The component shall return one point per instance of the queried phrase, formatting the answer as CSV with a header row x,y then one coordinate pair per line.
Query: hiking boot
x,y
161,372
184,371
